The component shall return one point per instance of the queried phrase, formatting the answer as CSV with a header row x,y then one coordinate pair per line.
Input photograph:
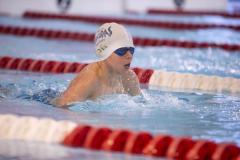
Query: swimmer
x,y
111,74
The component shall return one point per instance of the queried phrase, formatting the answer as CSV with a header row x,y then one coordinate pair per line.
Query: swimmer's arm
x,y
131,83
80,89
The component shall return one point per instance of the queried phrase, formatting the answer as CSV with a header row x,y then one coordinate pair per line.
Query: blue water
x,y
195,113
204,19
199,61
204,35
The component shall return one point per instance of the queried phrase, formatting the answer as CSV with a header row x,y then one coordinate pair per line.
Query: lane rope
x,y
135,22
173,80
76,135
79,36
193,13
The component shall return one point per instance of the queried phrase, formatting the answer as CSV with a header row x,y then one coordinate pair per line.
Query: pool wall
x,y
106,6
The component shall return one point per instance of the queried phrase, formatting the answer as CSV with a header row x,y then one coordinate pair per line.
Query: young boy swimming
x,y
112,74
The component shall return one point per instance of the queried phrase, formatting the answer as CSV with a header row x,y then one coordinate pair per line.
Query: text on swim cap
x,y
102,34
101,49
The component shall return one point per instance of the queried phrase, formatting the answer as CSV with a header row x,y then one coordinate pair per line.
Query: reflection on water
x,y
23,150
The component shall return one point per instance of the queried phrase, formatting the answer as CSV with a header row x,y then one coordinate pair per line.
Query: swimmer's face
x,y
120,63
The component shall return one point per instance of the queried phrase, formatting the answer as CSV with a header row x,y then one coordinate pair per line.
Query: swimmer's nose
x,y
128,55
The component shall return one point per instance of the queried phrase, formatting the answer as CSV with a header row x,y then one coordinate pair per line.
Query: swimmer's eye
x,y
122,51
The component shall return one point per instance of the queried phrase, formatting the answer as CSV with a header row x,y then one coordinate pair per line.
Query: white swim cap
x,y
109,37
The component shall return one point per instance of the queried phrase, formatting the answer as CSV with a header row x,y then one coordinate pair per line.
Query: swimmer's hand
x,y
58,103
131,83
55,102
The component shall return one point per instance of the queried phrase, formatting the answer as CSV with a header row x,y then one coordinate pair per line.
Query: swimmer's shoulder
x,y
88,73
89,69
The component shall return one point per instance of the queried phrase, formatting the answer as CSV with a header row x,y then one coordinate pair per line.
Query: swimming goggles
x,y
123,50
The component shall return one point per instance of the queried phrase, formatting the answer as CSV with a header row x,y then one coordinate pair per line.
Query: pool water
x,y
204,35
198,61
196,114
201,115
202,19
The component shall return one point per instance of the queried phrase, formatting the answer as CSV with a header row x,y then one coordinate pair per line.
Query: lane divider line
x,y
193,13
173,80
125,141
135,22
89,37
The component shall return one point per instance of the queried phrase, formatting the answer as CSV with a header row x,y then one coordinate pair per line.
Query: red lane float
x,y
158,147
44,66
202,150
40,65
137,142
77,136
143,75
114,140
179,148
146,23
78,36
192,13
46,33
96,137
117,141
226,151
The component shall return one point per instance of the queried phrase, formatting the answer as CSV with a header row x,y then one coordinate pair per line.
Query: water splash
x,y
196,114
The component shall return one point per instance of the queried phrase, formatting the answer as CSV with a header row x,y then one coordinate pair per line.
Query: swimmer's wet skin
x,y
111,74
